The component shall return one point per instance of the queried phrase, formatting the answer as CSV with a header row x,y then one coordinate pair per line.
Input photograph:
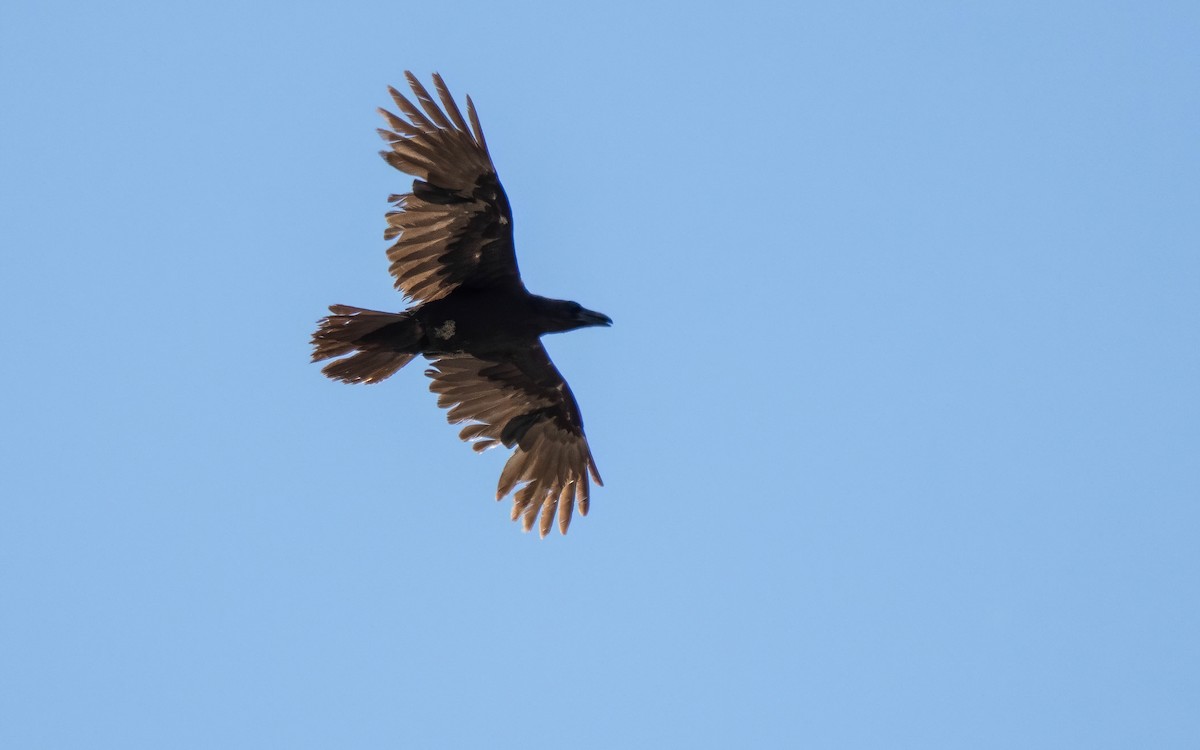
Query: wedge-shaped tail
x,y
378,343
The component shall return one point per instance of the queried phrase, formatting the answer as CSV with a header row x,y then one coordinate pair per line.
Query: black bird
x,y
454,256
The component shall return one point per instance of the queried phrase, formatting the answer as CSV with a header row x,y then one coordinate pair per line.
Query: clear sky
x,y
899,420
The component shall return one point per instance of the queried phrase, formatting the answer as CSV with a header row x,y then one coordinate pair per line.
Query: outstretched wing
x,y
455,227
522,400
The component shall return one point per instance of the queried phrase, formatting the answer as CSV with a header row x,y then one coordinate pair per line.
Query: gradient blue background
x,y
900,418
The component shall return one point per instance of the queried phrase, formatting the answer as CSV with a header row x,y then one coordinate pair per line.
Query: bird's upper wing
x,y
521,400
455,226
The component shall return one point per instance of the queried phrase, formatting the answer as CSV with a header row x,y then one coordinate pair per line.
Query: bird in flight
x,y
473,319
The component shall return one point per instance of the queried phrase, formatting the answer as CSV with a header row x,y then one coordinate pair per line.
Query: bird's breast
x,y
472,323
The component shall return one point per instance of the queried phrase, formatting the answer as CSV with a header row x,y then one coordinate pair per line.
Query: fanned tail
x,y
379,343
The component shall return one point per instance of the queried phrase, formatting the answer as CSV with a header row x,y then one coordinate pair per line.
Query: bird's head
x,y
563,315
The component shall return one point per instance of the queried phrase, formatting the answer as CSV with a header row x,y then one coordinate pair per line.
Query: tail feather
x,y
379,343
366,367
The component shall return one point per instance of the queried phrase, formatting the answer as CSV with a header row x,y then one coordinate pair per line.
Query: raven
x,y
454,256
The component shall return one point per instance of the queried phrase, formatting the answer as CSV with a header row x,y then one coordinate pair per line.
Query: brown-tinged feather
x,y
475,128
566,503
410,111
549,509
449,103
427,103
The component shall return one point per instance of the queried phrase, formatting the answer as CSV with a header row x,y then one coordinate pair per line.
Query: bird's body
x,y
485,321
455,257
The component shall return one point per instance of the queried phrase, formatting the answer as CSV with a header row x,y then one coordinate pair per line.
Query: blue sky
x,y
899,419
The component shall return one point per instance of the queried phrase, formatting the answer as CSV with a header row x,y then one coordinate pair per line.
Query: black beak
x,y
590,318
